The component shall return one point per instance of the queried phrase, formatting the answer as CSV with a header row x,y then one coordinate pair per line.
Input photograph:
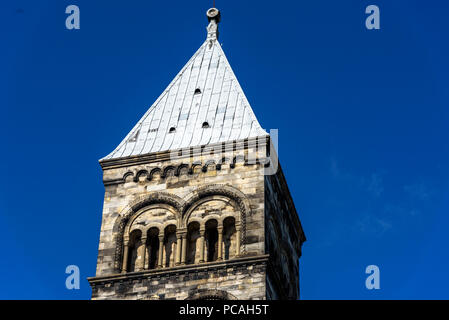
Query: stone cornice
x,y
239,262
182,153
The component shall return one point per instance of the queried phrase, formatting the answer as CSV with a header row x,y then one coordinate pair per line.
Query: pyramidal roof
x,y
204,104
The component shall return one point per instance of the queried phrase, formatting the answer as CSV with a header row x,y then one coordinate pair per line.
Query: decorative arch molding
x,y
224,190
168,169
211,163
181,207
139,174
160,173
217,197
132,209
127,174
157,197
206,294
155,171
180,168
160,226
195,220
211,217
217,189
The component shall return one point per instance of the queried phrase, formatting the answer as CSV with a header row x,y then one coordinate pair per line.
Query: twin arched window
x,y
210,241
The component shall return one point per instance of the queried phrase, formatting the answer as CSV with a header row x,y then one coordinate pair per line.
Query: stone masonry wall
x,y
283,239
240,281
180,178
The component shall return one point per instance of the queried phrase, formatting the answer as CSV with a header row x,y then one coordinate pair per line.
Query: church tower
x,y
196,205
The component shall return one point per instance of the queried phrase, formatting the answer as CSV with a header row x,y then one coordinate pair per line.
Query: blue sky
x,y
362,118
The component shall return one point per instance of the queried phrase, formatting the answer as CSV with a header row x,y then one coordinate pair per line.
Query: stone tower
x,y
196,205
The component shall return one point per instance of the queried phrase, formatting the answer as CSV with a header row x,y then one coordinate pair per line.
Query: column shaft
x,y
160,260
201,246
184,249
220,244
144,253
178,249
237,243
125,258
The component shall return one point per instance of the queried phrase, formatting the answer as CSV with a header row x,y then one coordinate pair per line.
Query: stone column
x,y
125,256
201,245
141,255
160,259
144,254
178,249
237,242
184,248
148,253
220,243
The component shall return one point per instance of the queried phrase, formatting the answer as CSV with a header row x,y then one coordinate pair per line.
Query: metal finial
x,y
213,14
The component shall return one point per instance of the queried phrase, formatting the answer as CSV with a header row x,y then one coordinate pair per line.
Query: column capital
x,y
181,234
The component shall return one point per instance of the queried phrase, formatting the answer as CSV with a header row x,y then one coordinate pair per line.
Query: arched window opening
x,y
211,236
169,246
197,91
207,294
169,172
193,234
196,169
152,247
229,237
134,245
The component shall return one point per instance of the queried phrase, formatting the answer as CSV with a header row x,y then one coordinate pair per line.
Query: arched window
x,y
211,236
229,237
152,247
207,294
134,245
169,246
193,233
